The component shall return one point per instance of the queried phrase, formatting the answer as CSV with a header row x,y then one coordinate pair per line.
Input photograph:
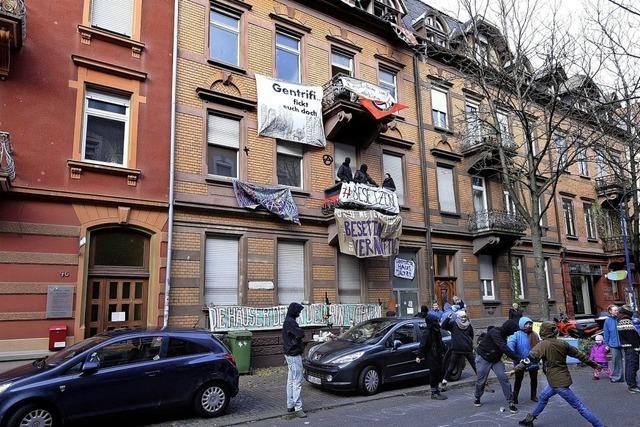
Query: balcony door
x,y
480,206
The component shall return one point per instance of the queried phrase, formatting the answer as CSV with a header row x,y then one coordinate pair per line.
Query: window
x,y
439,109
115,16
519,279
589,220
436,32
479,194
224,36
291,272
486,277
287,57
393,166
117,247
289,164
474,126
406,334
341,63
446,192
509,204
583,165
341,152
221,271
615,292
179,347
348,279
106,128
387,80
561,146
444,263
133,350
547,278
223,143
504,128
600,165
567,208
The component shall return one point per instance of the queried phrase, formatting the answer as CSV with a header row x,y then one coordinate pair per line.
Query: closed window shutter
x,y
290,272
221,272
223,131
113,15
393,166
486,267
439,101
348,279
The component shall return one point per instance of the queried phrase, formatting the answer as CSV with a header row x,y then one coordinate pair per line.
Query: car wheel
x,y
369,382
211,400
33,415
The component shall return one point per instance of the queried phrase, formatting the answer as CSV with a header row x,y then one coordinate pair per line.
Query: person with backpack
x,y
553,353
461,345
431,350
521,343
489,353
293,346
630,343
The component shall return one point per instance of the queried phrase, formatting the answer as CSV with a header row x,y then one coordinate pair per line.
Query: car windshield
x,y
368,332
69,352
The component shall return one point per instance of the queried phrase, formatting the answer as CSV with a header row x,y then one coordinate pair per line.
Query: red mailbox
x,y
57,337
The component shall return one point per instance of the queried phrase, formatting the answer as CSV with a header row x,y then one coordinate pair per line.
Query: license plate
x,y
314,380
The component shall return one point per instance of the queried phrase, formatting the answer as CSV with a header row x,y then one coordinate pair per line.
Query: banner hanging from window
x,y
290,111
276,200
378,101
365,196
365,234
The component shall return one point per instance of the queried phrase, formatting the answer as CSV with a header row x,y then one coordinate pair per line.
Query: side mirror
x,y
396,344
89,367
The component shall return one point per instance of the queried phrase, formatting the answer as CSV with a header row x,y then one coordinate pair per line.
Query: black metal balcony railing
x,y
486,137
335,90
7,166
496,220
610,183
15,9
613,244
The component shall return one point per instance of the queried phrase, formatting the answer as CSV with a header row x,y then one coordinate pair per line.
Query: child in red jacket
x,y
599,355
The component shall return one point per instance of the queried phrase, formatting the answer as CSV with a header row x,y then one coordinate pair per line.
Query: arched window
x,y
436,31
119,247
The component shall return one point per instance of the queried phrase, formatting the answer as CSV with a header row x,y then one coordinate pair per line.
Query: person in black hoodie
x,y
293,346
461,341
431,350
489,358
630,341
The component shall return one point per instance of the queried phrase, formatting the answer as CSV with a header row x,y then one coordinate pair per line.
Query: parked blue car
x,y
120,371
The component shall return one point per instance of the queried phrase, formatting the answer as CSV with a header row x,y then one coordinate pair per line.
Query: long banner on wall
x,y
368,197
366,234
290,111
227,318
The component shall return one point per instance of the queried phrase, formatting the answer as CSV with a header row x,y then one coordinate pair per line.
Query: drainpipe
x,y
425,180
174,66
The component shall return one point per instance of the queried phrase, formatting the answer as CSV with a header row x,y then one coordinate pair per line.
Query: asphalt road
x,y
611,402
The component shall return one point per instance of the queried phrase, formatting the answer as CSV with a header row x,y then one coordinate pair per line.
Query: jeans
x,y
533,375
567,394
484,367
294,382
616,361
454,361
631,367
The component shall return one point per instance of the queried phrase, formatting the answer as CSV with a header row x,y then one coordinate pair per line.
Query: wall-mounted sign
x,y
260,285
226,318
368,233
404,268
290,111
118,316
354,195
60,301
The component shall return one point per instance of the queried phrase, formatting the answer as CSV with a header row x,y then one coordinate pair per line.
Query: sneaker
x,y
512,408
291,409
300,414
438,396
515,401
477,403
534,398
634,389
527,422
443,385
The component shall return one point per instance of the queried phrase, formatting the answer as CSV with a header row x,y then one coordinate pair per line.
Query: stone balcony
x,y
13,18
482,151
495,230
611,186
613,245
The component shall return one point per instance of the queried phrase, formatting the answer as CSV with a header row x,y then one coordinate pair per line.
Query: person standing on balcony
x,y
612,340
362,177
344,172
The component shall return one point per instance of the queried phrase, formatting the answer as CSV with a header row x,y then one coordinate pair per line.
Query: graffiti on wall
x,y
227,318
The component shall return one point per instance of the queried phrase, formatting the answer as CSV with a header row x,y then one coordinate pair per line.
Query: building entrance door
x,y
445,290
407,302
115,303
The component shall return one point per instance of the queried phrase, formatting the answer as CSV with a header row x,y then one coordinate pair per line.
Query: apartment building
x,y
84,140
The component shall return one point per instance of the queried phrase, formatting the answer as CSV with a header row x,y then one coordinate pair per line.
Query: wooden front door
x,y
115,302
445,290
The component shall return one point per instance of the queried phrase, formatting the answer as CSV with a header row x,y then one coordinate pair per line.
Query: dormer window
x,y
436,31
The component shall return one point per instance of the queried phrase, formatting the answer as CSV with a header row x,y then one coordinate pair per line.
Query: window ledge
x,y
585,177
77,166
593,240
230,67
405,208
551,301
298,191
87,33
213,179
572,237
443,130
491,302
450,214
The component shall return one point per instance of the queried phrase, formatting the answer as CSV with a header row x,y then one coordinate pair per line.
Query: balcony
x,y
495,230
613,245
482,151
13,15
611,186
7,166
345,118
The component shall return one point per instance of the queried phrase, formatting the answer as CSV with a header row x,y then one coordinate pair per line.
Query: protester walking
x,y
553,353
461,344
431,351
293,346
612,340
599,355
521,343
630,343
489,358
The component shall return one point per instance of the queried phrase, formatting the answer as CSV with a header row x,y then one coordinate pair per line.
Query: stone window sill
x,y
229,67
76,167
87,33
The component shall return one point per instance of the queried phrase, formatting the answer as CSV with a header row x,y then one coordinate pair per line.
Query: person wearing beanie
x,y
293,346
431,351
612,340
553,353
424,312
630,343
461,344
599,355
489,358
521,343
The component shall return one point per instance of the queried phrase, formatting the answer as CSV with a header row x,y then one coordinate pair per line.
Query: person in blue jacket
x,y
435,311
612,340
521,343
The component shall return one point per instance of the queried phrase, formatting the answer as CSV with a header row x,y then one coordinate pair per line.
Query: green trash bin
x,y
240,346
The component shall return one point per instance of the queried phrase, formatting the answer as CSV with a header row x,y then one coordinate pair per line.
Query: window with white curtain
x,y
446,192
547,278
393,166
291,272
221,271
519,266
349,289
115,16
223,143
486,277
439,108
